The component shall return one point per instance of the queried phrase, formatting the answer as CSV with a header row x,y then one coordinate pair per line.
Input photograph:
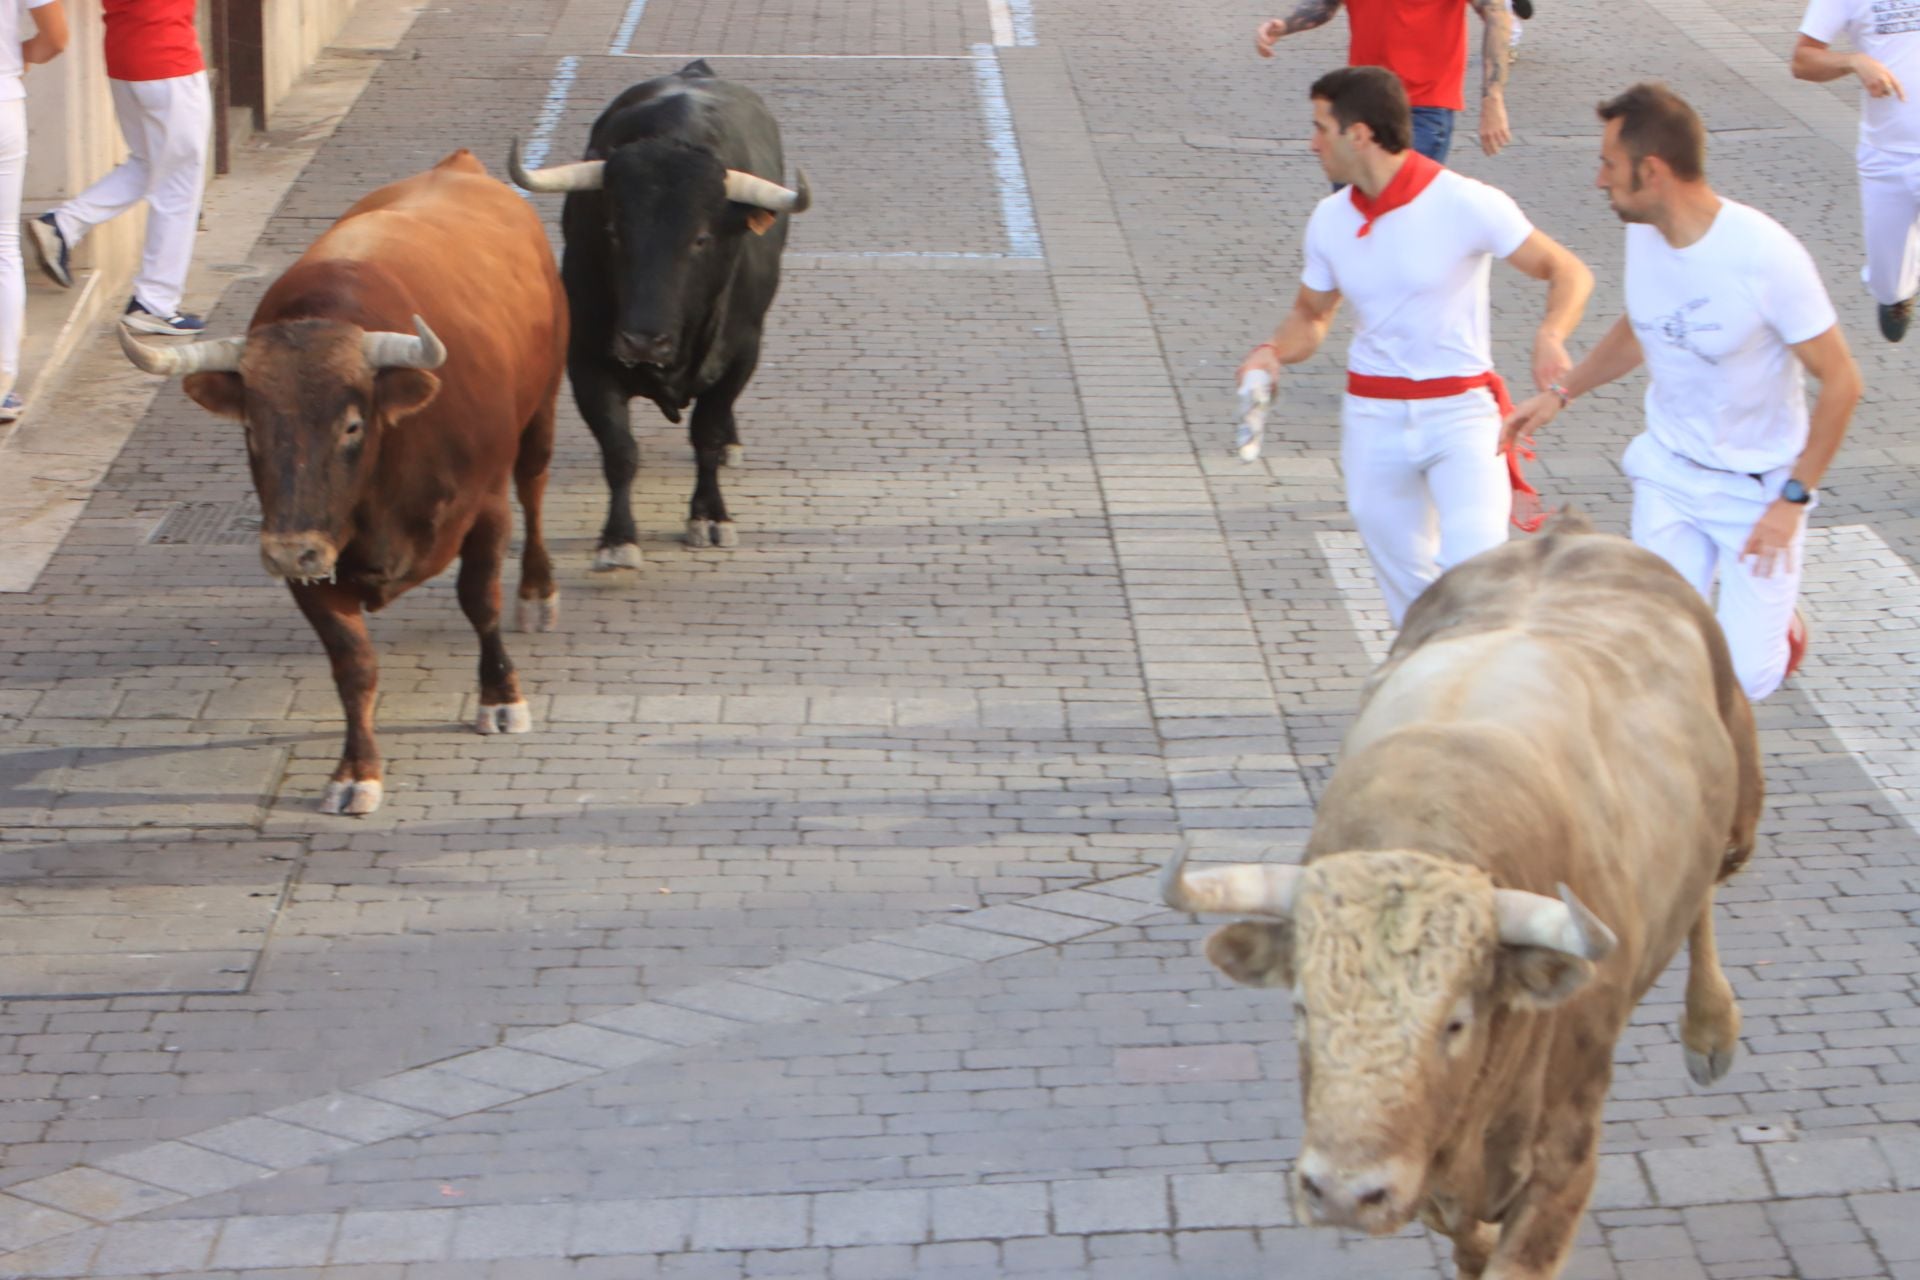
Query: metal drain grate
x,y
209,524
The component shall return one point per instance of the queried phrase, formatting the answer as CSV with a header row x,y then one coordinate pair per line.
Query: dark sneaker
x,y
141,320
51,248
1796,642
1893,320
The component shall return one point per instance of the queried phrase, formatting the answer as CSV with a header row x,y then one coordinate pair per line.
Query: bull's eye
x,y
1455,1026
703,240
352,429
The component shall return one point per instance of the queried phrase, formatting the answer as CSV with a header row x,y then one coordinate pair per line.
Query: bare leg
x,y
358,780
539,598
1710,1028
502,709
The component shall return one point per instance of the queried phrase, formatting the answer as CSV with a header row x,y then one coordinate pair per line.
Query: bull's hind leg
x,y
357,783
539,597
502,709
1710,1028
603,403
716,441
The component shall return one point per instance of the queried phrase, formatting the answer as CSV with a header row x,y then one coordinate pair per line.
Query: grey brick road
x,y
811,932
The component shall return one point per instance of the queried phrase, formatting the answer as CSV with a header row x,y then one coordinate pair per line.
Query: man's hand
x,y
1770,546
1267,35
1494,131
1876,79
1551,363
1262,357
1528,417
1307,15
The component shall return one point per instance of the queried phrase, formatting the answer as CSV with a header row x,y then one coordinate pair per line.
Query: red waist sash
x,y
1528,515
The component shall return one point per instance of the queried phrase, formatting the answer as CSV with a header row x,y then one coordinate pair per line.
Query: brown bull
x,y
374,472
1546,779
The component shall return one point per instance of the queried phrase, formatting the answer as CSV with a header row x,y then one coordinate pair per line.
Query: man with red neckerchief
x,y
1412,243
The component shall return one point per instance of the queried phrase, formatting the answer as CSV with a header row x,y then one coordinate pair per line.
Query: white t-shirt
x,y
1889,31
14,27
1716,321
1418,279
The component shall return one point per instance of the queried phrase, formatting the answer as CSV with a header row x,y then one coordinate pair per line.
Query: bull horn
x,y
1243,888
421,349
216,355
746,188
1563,924
581,175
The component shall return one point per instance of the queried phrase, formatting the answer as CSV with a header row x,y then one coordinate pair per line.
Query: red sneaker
x,y
1796,642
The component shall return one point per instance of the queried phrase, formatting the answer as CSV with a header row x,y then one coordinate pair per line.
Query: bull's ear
x,y
1254,953
218,393
399,392
1531,979
760,221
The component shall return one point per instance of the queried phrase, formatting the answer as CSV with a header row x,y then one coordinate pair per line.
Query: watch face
x,y
1794,491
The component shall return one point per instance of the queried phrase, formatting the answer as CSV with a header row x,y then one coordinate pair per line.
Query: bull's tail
x,y
1568,520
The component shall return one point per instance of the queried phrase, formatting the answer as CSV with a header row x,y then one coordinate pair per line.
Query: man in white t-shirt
x,y
1885,35
1727,311
1411,243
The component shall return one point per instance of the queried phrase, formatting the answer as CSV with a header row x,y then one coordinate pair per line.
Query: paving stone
x,y
279,1240
1205,1200
1089,1205
616,1228
177,1166
990,1212
23,1224
818,981
749,1222
516,1069
593,1046
1830,1167
870,1217
668,1024
394,1235
744,1002
436,1092
272,1143
1705,1175
138,1248
512,1231
349,1115
94,1194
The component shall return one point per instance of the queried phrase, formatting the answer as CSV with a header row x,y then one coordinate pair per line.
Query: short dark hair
x,y
1372,96
1656,121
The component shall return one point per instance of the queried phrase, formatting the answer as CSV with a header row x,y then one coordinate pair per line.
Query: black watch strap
x,y
1795,492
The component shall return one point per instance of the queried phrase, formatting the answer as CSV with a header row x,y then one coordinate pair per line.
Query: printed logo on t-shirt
x,y
1676,328
1892,17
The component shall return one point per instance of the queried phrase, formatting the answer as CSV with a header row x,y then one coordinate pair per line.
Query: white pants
x,y
1890,221
1424,486
13,285
1698,520
165,123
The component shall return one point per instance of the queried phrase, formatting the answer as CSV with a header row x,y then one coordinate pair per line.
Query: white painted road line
x,y
1347,565
630,22
1861,598
1020,15
1009,171
540,141
1001,21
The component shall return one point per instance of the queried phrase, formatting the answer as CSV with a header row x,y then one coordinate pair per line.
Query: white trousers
x,y
13,285
1890,222
165,123
1698,520
1424,486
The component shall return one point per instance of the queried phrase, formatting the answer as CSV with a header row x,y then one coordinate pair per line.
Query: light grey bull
x,y
1548,776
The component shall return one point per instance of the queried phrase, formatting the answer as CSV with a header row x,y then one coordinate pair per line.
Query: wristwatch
x,y
1795,492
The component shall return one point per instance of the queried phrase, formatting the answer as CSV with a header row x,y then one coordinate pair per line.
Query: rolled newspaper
x,y
1256,398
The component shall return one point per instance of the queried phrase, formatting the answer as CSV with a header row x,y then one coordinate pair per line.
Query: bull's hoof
x,y
699,533
1705,1068
540,615
724,534
733,455
352,798
621,555
507,717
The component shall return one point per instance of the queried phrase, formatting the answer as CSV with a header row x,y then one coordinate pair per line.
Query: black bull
x,y
674,224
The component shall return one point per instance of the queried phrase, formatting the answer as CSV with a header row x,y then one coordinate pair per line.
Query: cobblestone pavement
x,y
809,933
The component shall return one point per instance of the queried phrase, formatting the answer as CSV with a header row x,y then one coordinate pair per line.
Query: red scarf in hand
x,y
1416,172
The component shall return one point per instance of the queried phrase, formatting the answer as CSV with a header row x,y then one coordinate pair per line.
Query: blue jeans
x,y
1433,132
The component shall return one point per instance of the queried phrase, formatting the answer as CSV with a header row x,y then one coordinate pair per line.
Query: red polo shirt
x,y
151,39
1424,42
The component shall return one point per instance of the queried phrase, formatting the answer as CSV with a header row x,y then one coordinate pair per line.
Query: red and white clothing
x,y
1726,413
15,24
1889,151
1424,42
161,99
1424,483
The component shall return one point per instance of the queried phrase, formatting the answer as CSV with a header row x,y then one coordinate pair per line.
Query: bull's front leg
x,y
1710,1027
715,438
1539,1229
603,402
502,709
357,784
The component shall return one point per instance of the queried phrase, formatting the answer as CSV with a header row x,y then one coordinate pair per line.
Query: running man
x,y
1411,243
1424,42
1727,311
1886,41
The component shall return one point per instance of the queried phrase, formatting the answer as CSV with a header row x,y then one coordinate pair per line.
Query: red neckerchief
x,y
1416,173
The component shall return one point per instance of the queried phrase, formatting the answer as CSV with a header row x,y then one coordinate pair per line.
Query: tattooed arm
x,y
1307,15
1494,54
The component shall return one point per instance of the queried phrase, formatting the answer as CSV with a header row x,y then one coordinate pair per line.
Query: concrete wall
x,y
295,33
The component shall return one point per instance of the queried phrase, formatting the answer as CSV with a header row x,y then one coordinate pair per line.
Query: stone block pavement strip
x,y
814,930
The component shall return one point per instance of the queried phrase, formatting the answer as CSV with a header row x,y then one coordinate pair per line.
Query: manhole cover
x,y
209,524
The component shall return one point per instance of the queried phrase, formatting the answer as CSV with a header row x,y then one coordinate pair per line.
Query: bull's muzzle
x,y
1375,1197
299,557
643,348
